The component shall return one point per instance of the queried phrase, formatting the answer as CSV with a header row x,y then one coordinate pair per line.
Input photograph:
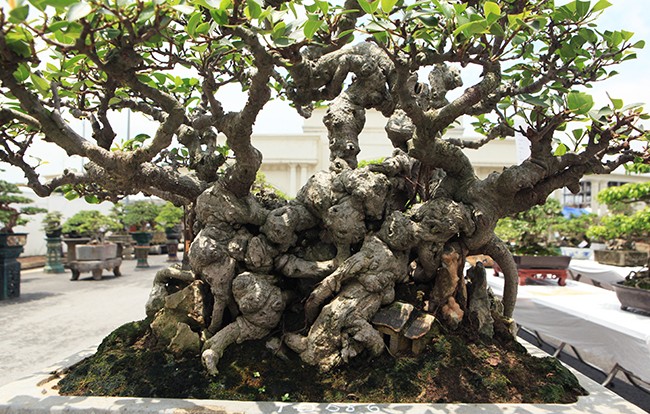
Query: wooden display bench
x,y
96,267
538,268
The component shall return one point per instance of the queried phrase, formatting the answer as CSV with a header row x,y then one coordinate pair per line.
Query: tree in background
x,y
353,234
629,225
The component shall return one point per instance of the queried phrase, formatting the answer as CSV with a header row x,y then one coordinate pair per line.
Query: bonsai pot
x,y
621,257
88,252
633,297
142,238
542,262
173,235
53,234
578,253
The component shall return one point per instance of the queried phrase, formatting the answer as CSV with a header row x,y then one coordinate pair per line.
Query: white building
x,y
289,161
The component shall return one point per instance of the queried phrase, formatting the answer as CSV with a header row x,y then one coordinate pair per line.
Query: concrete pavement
x,y
56,319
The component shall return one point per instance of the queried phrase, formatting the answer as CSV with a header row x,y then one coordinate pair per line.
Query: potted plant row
x,y
85,236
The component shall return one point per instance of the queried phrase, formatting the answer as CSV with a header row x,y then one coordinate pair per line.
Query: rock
x,y
185,341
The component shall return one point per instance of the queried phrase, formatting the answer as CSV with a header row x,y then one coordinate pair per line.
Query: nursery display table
x,y
589,320
601,275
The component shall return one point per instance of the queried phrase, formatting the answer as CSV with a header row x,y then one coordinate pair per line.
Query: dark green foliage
x,y
10,215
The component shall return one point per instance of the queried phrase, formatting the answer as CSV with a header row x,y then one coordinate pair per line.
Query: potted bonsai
x,y
53,228
625,227
634,291
52,224
140,218
11,243
574,241
169,219
85,231
534,240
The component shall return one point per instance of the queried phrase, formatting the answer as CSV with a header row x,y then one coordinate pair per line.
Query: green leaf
x,y
253,9
71,195
560,150
491,8
472,28
92,199
582,8
22,73
618,103
194,21
369,6
577,133
19,14
312,25
41,84
639,45
78,11
601,5
387,5
579,102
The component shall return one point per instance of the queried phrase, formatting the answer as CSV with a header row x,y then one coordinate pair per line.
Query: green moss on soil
x,y
128,363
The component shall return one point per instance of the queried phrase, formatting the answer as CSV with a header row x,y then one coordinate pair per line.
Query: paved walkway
x,y
55,318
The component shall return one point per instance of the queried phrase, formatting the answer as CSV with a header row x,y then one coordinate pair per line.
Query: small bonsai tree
x,y
89,223
623,230
169,217
532,232
52,222
11,216
140,215
573,231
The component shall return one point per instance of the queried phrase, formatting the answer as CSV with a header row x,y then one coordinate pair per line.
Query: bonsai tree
x,y
619,229
11,214
355,234
52,222
534,232
140,215
89,223
573,231
169,217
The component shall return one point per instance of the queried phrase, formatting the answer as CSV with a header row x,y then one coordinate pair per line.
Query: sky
x,y
632,85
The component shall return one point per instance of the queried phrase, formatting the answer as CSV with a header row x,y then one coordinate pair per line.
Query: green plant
x,y
635,227
573,231
631,226
532,232
52,221
140,215
169,216
89,223
10,215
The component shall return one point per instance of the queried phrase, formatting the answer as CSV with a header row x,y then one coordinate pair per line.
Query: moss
x,y
452,369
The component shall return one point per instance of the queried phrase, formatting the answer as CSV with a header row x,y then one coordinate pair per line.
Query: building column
x,y
293,190
303,174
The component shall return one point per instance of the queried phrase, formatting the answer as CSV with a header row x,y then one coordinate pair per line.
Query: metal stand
x,y
141,255
10,272
53,258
